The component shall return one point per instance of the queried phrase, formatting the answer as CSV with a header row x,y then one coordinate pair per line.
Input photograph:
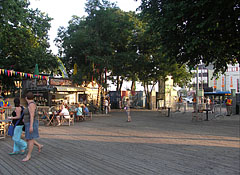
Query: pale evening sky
x,y
62,11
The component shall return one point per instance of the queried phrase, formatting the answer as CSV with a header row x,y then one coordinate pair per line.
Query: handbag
x,y
11,129
11,126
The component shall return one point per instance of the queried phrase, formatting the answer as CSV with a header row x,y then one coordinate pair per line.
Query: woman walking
x,y
127,108
31,125
20,145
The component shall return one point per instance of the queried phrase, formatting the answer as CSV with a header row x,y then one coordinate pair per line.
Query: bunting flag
x,y
22,74
62,68
75,69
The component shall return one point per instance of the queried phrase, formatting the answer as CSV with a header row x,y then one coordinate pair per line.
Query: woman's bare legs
x,y
31,143
30,148
38,145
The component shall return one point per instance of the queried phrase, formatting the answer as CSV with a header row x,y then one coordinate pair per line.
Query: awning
x,y
69,89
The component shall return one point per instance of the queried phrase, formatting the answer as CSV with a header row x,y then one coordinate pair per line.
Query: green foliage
x,y
102,41
190,31
23,37
122,43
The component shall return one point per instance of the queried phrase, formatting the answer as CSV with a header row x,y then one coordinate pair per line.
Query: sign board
x,y
41,82
60,82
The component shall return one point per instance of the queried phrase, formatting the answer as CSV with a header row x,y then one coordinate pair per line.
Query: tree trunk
x,y
121,83
148,94
118,83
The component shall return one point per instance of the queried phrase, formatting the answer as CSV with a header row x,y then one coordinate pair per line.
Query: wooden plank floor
x,y
150,144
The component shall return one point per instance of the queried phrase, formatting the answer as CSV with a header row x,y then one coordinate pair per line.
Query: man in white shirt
x,y
64,113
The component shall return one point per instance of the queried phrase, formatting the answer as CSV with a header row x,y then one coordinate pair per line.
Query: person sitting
x,y
79,112
64,112
85,110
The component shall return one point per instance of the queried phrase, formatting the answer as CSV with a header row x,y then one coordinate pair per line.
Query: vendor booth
x,y
54,92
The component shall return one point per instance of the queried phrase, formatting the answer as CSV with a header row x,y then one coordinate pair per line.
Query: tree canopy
x,y
195,30
24,37
102,41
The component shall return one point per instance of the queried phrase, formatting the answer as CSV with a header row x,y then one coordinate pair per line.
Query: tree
x,y
153,63
23,38
191,31
100,42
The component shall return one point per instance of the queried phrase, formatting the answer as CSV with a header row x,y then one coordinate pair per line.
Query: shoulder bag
x,y
11,126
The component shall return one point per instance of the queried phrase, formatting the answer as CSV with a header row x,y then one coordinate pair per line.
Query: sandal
x,y
23,152
13,153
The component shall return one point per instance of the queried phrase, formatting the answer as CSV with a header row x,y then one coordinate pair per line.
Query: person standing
x,y
31,125
20,145
127,108
229,106
120,105
4,103
106,106
208,102
194,103
179,103
1,108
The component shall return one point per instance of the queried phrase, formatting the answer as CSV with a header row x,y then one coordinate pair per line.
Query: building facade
x,y
224,82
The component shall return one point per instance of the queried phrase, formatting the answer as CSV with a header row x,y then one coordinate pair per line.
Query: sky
x,y
62,11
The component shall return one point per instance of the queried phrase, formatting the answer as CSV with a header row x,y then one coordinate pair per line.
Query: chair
x,y
42,114
68,119
88,116
198,115
79,117
49,120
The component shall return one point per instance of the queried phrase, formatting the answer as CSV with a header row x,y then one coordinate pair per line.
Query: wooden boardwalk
x,y
149,145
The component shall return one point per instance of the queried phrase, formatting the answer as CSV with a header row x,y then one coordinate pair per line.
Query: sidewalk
x,y
150,144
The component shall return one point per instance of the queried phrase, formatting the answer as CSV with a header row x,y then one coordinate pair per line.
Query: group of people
x,y
25,118
80,110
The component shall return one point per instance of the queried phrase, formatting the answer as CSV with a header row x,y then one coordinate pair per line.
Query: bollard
x,y
184,105
169,110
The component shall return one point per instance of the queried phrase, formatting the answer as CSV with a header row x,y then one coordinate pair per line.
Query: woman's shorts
x,y
34,134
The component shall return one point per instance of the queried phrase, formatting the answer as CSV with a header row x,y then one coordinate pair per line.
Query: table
x,y
207,109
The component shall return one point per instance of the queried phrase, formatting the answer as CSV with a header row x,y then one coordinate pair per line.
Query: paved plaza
x,y
150,144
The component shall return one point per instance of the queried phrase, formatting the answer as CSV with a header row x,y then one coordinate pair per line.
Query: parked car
x,y
188,99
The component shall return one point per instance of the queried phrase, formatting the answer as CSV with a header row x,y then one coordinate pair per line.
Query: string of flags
x,y
22,74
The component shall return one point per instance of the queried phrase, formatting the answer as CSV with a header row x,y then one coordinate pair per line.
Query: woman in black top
x,y
20,145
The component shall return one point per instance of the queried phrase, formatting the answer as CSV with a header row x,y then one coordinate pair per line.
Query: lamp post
x,y
197,89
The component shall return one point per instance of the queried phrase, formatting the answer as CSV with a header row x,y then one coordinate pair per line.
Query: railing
x,y
7,113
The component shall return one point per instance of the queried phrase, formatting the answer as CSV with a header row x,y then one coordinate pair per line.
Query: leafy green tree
x,y
154,64
190,31
100,42
23,38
